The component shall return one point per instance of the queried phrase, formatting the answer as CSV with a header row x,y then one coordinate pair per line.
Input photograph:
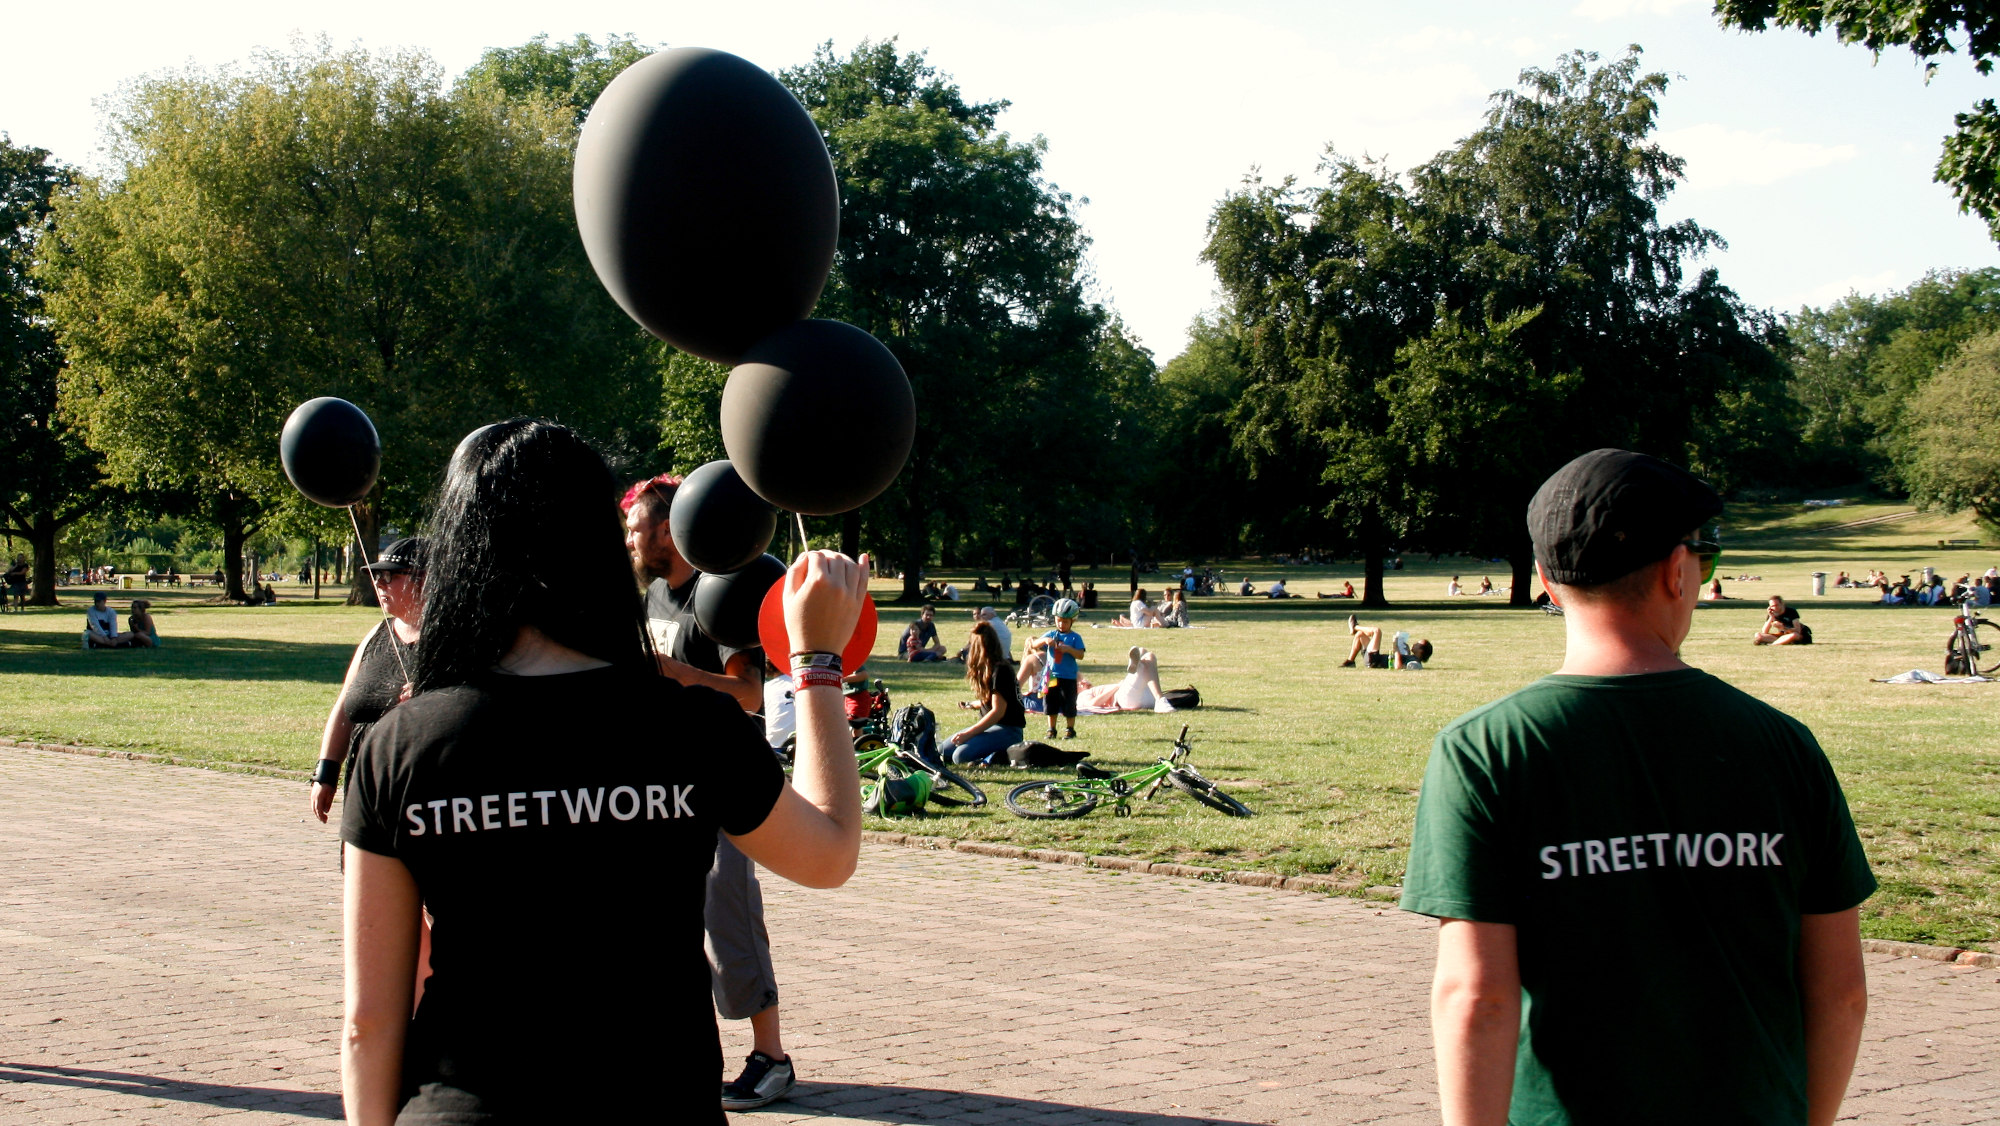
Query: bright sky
x,y
1813,161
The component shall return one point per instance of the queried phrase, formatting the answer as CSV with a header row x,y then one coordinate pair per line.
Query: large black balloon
x,y
706,200
818,418
330,451
725,606
718,524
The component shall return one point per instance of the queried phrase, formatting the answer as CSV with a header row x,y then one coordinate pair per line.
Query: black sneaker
x,y
763,1082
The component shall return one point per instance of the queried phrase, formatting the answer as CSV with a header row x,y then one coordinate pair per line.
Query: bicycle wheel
x,y
1204,791
953,788
1043,801
1985,655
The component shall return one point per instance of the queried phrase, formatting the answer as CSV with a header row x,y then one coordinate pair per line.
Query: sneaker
x,y
1348,663
1353,623
1070,734
763,1082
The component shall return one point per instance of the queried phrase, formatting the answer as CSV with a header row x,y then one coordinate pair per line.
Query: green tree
x,y
1952,461
570,74
958,255
1970,161
1857,363
1441,342
49,479
332,223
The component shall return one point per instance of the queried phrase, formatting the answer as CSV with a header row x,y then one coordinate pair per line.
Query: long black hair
x,y
526,533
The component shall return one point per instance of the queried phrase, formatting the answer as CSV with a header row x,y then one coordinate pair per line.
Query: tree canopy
x,y
1443,340
959,255
1970,161
49,478
331,223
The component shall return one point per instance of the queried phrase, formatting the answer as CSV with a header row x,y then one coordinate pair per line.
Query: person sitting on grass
x,y
1140,615
1452,589
920,641
1782,626
1485,585
140,632
1277,590
1174,613
1247,588
1003,720
1406,653
100,624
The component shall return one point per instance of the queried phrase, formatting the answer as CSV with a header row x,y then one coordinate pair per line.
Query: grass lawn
x,y
1329,758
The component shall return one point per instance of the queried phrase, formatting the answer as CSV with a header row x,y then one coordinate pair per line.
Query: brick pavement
x,y
169,952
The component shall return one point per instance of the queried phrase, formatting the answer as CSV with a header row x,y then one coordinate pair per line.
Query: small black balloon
x,y
330,451
725,606
706,200
718,524
818,418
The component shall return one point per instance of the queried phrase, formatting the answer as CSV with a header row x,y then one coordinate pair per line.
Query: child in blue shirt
x,y
1060,647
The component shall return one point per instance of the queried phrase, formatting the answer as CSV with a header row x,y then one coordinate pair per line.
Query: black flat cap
x,y
1611,512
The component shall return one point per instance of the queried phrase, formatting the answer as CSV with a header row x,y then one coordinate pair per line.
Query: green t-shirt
x,y
1654,840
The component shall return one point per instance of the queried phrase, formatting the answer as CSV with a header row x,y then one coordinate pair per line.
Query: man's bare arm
x,y
1476,1020
740,679
1833,985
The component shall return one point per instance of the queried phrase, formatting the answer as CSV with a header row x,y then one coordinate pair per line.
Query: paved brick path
x,y
169,953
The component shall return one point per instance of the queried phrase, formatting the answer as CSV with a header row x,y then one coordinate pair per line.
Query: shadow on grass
x,y
179,658
278,1100
873,1103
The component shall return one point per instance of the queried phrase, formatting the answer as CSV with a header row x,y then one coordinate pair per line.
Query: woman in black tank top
x,y
380,670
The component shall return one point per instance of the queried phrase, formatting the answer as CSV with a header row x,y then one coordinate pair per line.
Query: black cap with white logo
x,y
407,554
1611,512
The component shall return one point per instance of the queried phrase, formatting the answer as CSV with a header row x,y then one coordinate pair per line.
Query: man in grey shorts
x,y
739,949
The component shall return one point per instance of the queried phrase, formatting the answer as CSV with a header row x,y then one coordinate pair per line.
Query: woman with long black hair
x,y
553,801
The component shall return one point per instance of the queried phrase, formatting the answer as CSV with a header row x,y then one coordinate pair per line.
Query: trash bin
x,y
128,582
1927,576
1819,584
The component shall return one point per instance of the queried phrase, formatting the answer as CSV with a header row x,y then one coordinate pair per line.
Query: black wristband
x,y
327,773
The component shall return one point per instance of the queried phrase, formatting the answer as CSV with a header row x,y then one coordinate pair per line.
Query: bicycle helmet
x,y
1065,608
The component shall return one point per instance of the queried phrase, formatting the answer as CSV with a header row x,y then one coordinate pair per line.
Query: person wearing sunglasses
x,y
1631,802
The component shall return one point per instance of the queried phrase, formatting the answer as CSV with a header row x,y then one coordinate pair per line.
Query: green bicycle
x,y
1068,798
886,760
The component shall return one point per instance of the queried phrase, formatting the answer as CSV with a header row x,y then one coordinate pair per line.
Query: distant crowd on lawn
x,y
1930,590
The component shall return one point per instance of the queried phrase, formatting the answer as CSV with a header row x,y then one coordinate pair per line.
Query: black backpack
x,y
915,728
1184,698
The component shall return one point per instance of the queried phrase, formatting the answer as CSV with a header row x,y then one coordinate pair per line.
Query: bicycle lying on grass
x,y
1067,798
948,787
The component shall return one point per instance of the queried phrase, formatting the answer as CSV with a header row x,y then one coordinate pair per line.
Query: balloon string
x,y
804,544
361,545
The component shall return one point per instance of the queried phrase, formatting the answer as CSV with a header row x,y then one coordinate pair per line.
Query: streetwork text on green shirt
x,y
1653,839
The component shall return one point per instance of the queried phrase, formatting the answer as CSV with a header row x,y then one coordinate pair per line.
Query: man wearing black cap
x,y
1656,869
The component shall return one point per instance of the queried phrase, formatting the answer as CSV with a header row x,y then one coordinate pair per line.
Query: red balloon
x,y
778,645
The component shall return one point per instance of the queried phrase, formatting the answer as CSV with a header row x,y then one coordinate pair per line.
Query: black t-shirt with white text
x,y
560,830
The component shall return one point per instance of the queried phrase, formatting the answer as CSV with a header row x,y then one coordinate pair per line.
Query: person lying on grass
x,y
1407,654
